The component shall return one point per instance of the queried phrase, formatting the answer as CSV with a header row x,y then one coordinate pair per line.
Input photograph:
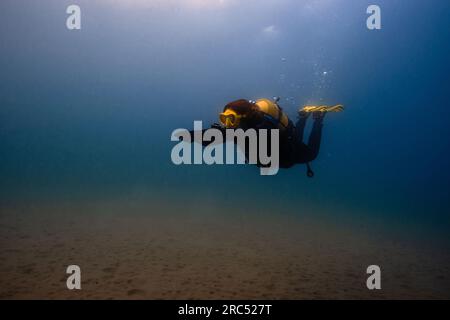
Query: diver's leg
x,y
316,135
300,125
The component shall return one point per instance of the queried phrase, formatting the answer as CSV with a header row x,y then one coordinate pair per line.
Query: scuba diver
x,y
267,114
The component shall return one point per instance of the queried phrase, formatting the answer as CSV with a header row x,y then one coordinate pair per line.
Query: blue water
x,y
90,112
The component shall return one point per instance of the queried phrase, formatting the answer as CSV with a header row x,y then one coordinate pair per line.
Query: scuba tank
x,y
273,112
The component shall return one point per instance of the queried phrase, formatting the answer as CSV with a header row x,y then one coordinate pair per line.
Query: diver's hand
x,y
203,142
217,126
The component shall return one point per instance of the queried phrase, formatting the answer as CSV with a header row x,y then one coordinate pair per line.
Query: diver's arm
x,y
218,127
207,143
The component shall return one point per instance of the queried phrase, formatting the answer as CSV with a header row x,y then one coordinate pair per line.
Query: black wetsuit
x,y
292,149
308,152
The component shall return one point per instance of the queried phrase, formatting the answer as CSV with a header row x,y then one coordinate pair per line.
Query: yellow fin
x,y
336,108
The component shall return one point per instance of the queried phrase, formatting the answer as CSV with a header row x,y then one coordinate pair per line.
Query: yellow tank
x,y
272,109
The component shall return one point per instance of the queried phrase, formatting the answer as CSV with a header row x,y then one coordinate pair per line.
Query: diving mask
x,y
230,119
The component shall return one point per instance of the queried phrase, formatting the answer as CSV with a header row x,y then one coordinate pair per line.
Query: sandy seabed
x,y
160,250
